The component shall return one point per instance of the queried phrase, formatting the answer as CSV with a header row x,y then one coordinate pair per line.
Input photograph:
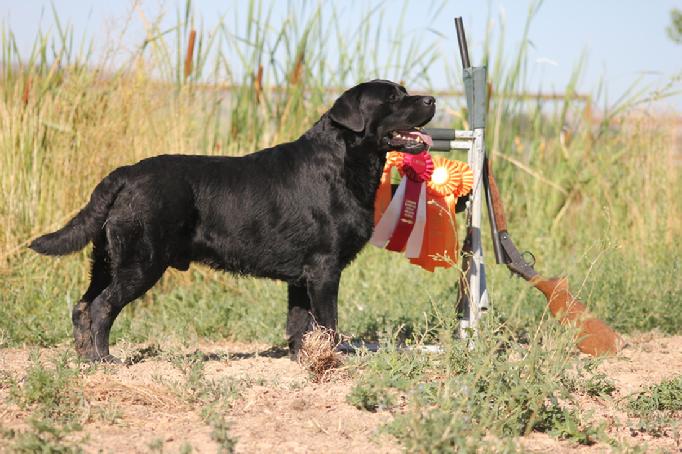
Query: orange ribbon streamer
x,y
450,180
384,195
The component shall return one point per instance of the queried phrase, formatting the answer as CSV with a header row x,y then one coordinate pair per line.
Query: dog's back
x,y
264,214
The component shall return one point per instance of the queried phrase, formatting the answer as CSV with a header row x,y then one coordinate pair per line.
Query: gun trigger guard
x,y
530,262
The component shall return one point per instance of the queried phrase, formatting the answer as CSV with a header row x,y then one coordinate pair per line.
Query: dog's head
x,y
382,110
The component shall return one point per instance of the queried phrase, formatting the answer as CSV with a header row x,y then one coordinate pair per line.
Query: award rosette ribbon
x,y
401,226
420,217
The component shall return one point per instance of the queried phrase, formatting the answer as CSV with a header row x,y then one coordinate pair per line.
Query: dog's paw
x,y
107,359
293,355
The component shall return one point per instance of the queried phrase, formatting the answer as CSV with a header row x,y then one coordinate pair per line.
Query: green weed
x,y
665,396
658,407
109,413
384,374
220,433
55,399
565,424
51,393
156,446
370,396
484,398
213,397
43,436
186,448
599,384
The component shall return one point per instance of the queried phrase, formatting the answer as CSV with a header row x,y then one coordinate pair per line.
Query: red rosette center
x,y
417,167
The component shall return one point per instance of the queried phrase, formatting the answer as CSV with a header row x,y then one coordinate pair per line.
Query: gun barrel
x,y
462,40
493,204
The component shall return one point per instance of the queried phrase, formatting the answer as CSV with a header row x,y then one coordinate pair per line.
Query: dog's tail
x,y
80,230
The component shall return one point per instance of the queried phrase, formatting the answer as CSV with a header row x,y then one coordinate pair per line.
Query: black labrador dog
x,y
298,212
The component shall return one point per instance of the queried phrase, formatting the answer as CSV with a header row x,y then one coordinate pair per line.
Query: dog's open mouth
x,y
411,141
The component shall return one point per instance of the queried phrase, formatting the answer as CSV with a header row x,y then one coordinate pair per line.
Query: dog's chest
x,y
352,225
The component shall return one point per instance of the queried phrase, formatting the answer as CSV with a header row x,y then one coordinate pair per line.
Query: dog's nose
x,y
429,100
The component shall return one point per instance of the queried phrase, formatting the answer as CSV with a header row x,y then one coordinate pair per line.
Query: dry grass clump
x,y
318,353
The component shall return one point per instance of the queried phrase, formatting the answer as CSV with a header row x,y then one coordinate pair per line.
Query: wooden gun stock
x,y
594,337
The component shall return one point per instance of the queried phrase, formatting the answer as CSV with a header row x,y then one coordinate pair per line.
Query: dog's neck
x,y
363,163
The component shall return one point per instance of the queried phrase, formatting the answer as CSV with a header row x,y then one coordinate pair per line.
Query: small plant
x,y
55,399
213,396
156,446
665,396
221,433
196,388
565,424
386,373
599,384
109,413
658,407
186,448
482,399
370,397
54,394
41,437
588,379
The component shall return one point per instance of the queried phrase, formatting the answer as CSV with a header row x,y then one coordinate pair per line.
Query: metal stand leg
x,y
474,298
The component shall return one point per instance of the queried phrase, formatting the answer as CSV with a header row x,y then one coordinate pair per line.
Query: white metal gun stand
x,y
473,294
474,297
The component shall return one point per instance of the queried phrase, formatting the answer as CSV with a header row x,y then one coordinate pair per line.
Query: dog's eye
x,y
393,98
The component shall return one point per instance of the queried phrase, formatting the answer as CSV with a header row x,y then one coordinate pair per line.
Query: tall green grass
x,y
602,207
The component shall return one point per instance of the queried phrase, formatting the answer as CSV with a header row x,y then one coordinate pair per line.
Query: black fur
x,y
298,212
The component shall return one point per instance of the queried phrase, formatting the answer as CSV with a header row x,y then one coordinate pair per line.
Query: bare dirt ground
x,y
282,410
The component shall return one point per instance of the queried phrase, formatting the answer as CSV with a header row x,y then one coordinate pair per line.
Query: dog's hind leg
x,y
100,278
126,285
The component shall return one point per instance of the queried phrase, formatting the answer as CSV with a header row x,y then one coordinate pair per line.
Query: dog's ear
x,y
346,112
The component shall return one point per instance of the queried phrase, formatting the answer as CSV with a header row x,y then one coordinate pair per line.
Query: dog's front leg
x,y
299,317
311,304
323,290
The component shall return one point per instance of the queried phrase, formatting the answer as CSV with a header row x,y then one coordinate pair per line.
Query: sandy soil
x,y
281,410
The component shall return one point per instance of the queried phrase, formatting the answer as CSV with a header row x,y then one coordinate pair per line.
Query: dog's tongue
x,y
425,137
